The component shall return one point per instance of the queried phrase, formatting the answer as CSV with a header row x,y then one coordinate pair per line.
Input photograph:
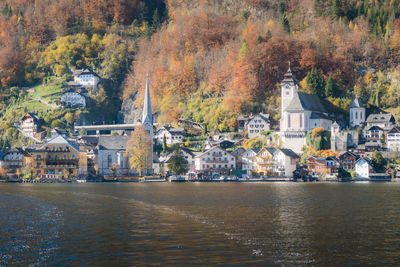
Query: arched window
x,y
289,122
301,120
356,115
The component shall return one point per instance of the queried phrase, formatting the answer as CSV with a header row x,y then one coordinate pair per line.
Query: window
x,y
109,161
289,122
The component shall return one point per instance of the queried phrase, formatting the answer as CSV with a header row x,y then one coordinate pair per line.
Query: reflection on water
x,y
180,224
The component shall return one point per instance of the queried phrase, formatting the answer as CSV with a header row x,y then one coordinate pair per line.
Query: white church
x,y
300,112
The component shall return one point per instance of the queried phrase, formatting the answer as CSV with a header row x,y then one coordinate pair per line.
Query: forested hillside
x,y
208,60
216,59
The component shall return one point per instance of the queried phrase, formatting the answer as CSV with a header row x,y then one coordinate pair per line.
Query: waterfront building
x,y
215,161
249,161
172,135
323,166
14,159
285,162
363,167
58,158
265,159
357,113
300,112
188,154
347,160
238,153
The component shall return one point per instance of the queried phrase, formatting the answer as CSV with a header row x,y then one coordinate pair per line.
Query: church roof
x,y
356,103
117,142
147,115
288,78
302,101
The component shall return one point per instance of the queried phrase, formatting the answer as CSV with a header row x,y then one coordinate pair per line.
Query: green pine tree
x,y
336,9
177,164
155,20
165,147
315,81
268,35
330,87
285,23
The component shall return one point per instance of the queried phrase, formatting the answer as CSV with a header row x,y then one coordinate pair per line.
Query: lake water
x,y
126,224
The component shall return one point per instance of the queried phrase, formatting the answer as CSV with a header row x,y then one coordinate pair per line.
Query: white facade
x,y
86,79
73,99
29,125
172,136
249,161
284,164
363,168
259,123
215,160
393,140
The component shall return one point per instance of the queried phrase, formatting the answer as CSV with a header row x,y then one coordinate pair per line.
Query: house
x,y
373,133
357,113
257,124
364,167
172,135
111,153
72,98
14,159
58,158
224,144
300,112
249,160
29,125
265,158
393,139
322,166
347,160
86,77
238,153
383,121
215,161
285,162
342,140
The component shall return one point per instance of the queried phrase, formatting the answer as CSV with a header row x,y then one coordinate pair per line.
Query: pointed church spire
x,y
147,117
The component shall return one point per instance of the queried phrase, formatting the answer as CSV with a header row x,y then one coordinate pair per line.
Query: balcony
x,y
212,161
58,162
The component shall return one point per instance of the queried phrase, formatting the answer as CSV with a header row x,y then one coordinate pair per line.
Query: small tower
x,y
289,87
335,128
357,113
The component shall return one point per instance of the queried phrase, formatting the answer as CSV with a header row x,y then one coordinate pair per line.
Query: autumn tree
x,y
139,150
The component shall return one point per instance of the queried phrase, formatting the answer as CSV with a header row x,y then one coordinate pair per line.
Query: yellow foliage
x,y
318,131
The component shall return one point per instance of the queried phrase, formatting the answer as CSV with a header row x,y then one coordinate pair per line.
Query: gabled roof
x,y
270,150
367,160
373,128
395,129
302,101
172,130
264,117
335,124
356,103
289,153
32,115
117,142
238,151
79,72
319,115
59,140
211,149
379,118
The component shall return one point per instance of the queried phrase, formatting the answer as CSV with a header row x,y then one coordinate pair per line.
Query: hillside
x,y
208,60
216,59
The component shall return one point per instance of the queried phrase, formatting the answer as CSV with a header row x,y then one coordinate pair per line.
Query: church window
x,y
301,120
109,161
356,115
289,122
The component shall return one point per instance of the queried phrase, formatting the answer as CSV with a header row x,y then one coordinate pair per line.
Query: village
x,y
307,145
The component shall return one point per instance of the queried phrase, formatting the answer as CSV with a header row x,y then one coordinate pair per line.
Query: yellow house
x,y
58,158
264,159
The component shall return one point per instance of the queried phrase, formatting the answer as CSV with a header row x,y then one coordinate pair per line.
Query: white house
x,y
393,139
363,168
300,112
285,162
72,98
172,135
29,125
357,113
188,154
215,161
249,160
258,124
86,77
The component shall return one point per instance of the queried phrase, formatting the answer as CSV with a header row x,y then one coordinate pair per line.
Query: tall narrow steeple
x,y
147,117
